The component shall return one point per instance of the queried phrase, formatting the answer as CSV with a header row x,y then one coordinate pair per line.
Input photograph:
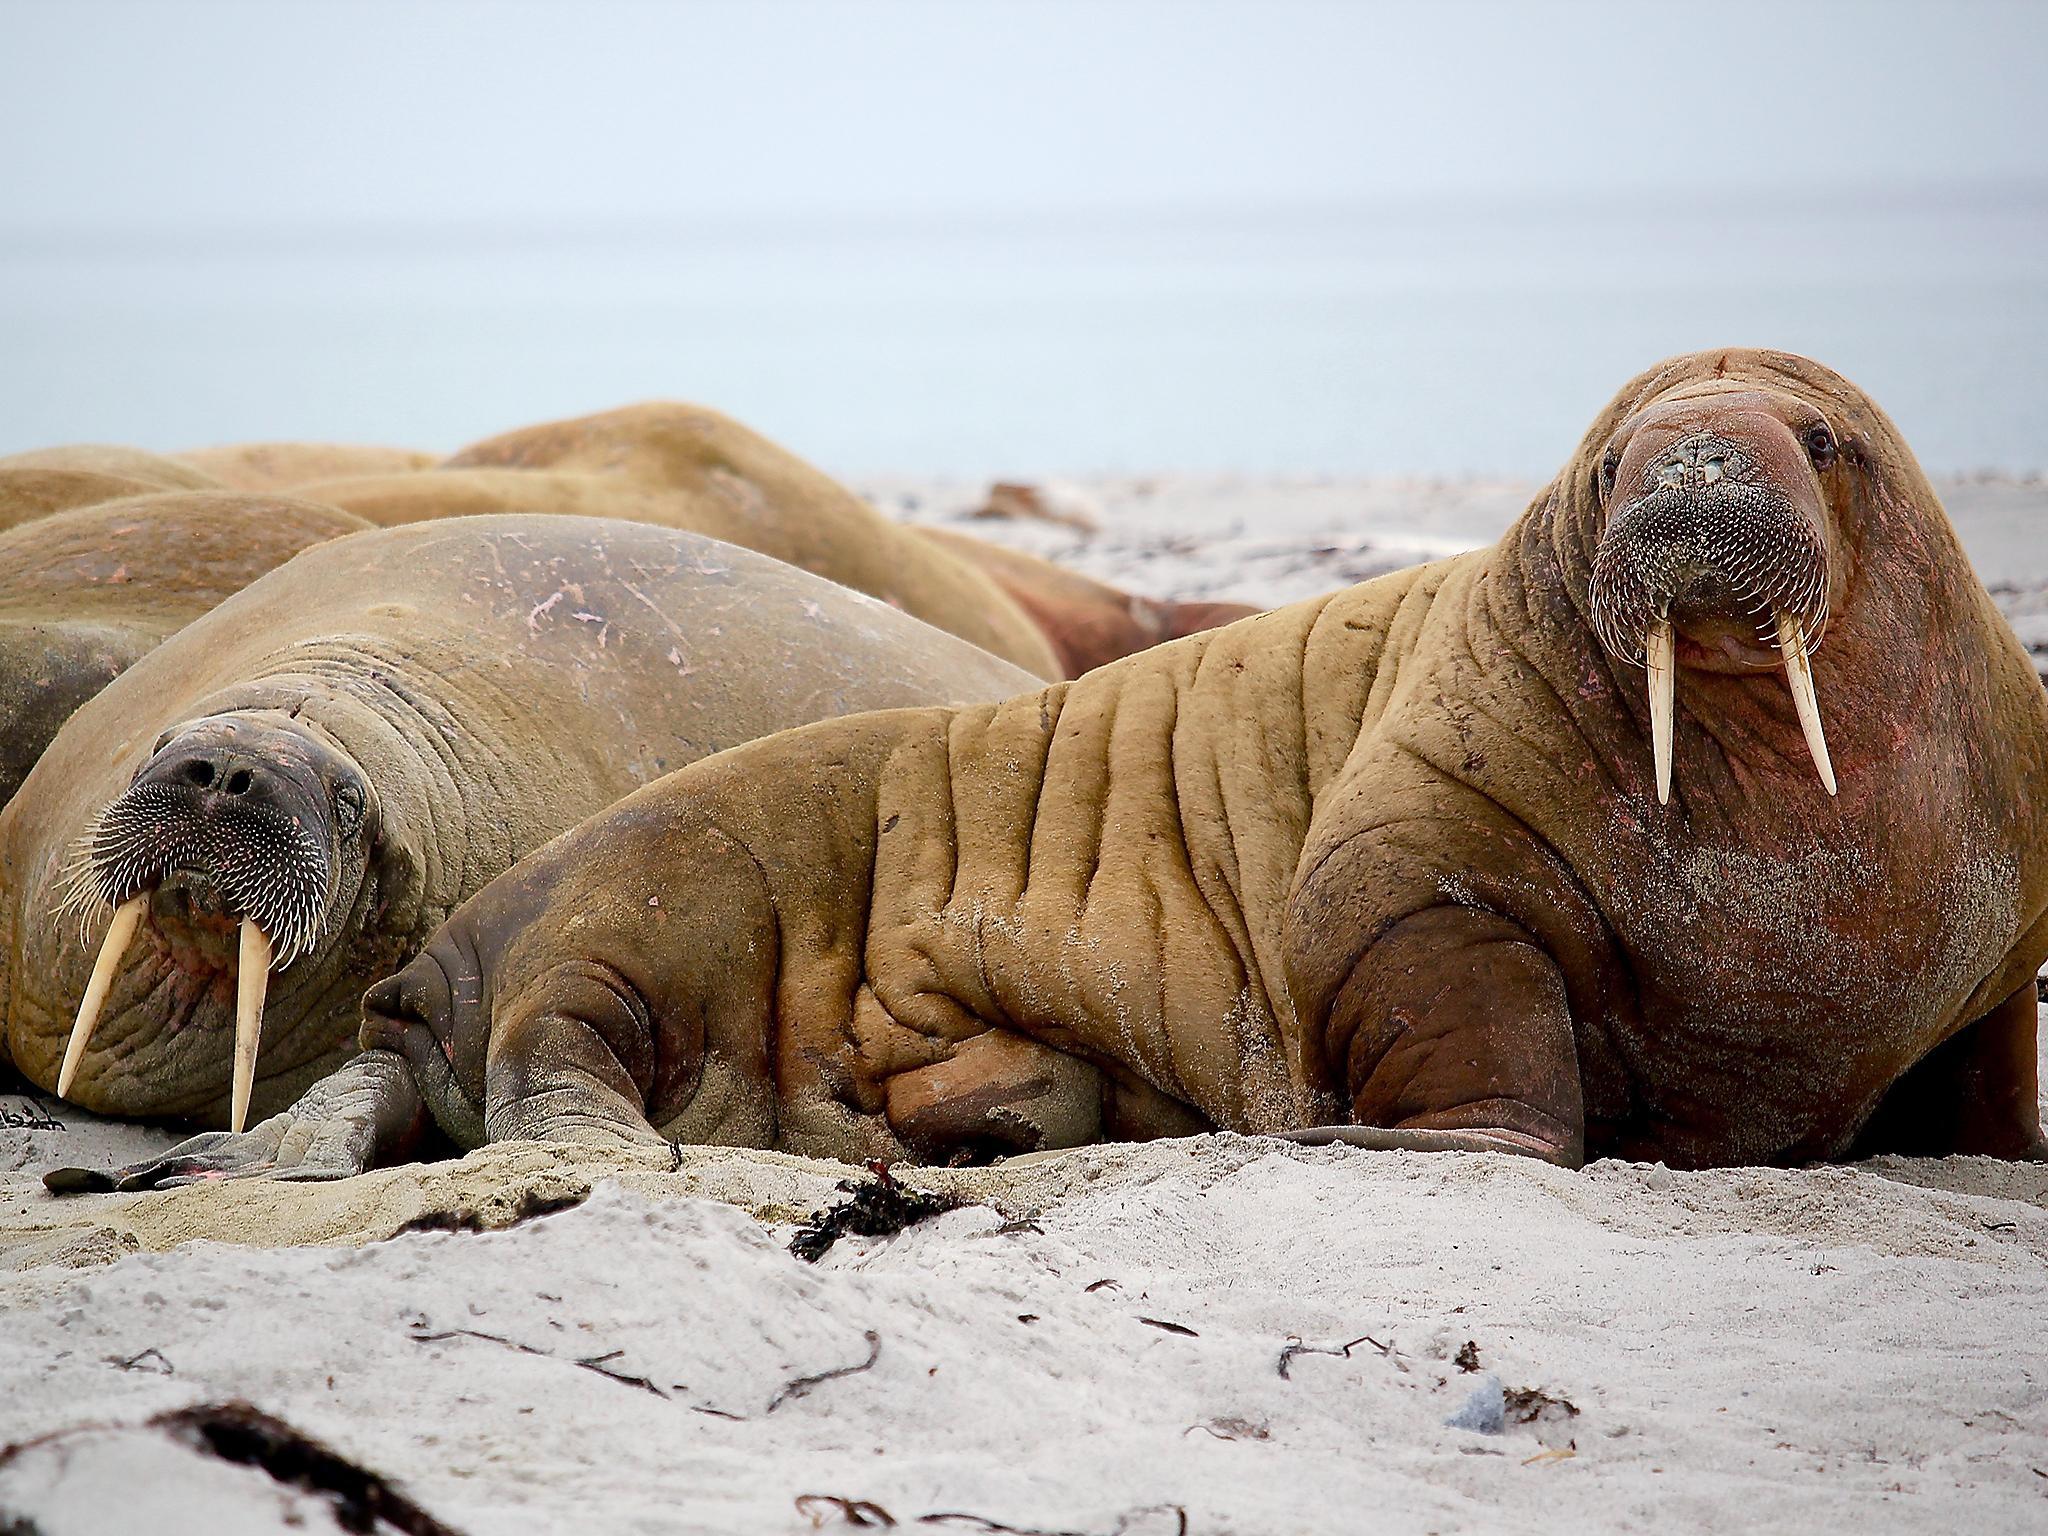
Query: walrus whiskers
x,y
1660,648
120,934
1799,675
252,982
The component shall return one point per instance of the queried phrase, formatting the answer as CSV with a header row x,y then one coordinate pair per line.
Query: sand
x,y
1213,1335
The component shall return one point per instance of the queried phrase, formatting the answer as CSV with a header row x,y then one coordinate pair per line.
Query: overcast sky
x,y
198,113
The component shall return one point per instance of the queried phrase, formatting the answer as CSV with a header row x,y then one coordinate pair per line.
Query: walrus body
x,y
282,466
35,484
682,466
85,593
1395,859
331,760
1089,623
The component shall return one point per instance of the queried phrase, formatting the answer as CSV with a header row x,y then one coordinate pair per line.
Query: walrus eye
x,y
348,809
1610,466
1820,443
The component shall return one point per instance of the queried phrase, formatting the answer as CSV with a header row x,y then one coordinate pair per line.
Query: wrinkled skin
x,y
84,593
1390,863
356,743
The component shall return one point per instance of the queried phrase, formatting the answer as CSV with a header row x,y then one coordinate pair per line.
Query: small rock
x,y
1485,1409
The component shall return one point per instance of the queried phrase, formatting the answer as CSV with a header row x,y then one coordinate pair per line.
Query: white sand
x,y
1791,1350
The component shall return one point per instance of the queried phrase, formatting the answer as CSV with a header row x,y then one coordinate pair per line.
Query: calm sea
x,y
1445,339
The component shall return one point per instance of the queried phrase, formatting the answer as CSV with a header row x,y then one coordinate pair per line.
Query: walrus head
x,y
243,842
1717,545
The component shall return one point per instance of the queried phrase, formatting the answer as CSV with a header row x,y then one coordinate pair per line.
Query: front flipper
x,y
1453,1033
365,1112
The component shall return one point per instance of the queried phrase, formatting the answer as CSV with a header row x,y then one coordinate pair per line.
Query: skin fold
x,y
357,742
85,592
1392,862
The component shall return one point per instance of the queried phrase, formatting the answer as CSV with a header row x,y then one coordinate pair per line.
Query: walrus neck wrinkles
x,y
434,802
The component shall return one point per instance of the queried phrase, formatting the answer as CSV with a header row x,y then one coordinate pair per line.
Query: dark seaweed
x,y
877,1207
530,1207
248,1436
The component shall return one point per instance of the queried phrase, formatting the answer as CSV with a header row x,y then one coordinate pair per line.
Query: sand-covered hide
x,y
1108,1340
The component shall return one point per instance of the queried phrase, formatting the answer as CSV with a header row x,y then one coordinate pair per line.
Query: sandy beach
x,y
1204,1336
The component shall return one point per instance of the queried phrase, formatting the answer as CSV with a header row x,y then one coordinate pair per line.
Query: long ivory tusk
x,y
120,933
252,982
1799,674
1660,651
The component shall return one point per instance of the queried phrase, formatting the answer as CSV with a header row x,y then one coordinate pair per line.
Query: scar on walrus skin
x,y
1540,849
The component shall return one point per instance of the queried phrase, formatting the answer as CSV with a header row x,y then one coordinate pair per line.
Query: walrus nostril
x,y
198,772
238,782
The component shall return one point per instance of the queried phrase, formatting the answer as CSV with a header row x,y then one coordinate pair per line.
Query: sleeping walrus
x,y
47,480
281,466
685,466
308,779
1697,819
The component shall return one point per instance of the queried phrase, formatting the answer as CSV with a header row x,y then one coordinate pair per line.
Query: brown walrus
x,y
1089,622
46,480
1400,857
84,593
684,466
281,466
307,779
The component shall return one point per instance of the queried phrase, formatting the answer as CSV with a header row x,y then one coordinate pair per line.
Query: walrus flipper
x,y
1456,1021
365,1114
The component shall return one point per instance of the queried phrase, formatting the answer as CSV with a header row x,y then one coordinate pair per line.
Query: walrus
x,y
277,805
84,593
687,466
1695,820
1089,622
46,480
280,466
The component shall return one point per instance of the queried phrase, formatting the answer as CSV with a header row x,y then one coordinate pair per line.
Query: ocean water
x,y
1447,338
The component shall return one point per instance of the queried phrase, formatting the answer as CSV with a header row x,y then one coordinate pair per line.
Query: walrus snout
x,y
1715,550
246,821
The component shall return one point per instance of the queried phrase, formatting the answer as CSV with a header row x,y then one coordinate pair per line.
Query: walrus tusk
x,y
1799,674
252,982
120,933
1660,652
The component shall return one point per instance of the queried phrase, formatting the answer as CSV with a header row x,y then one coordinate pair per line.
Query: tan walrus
x,y
685,466
46,480
281,466
84,593
1435,857
281,802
